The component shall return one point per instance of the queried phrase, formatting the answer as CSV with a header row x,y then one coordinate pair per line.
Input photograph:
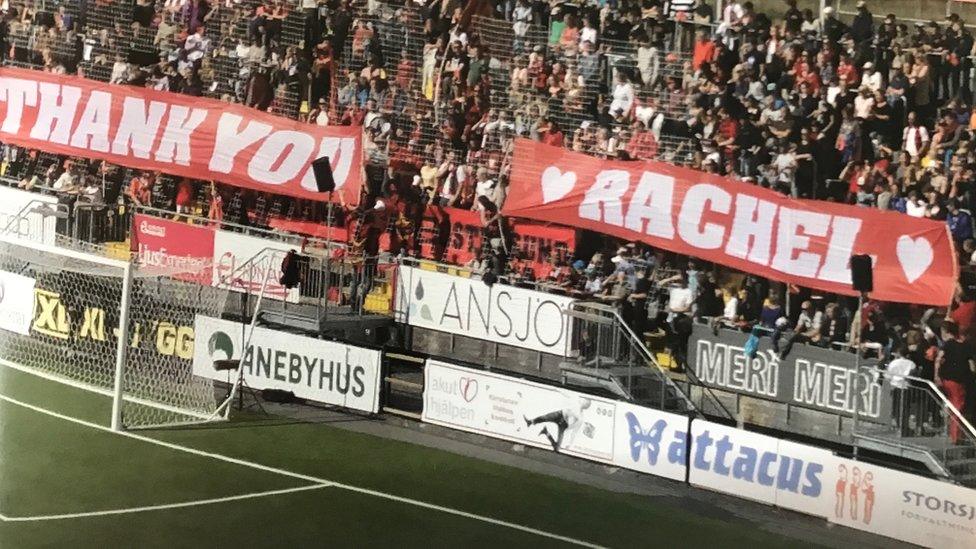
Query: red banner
x,y
743,226
176,134
171,244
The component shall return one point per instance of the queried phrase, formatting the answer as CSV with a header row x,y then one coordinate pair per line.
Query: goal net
x,y
60,315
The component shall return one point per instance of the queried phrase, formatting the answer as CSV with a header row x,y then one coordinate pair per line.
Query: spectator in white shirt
x,y
871,78
915,206
623,96
807,328
915,138
588,33
902,407
863,103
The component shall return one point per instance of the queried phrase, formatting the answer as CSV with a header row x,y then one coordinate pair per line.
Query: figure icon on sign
x,y
855,491
568,422
868,496
840,491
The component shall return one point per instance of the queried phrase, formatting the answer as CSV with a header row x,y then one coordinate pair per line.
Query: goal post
x,y
121,346
109,326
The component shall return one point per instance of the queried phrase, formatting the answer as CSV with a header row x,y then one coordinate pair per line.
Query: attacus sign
x,y
743,226
177,134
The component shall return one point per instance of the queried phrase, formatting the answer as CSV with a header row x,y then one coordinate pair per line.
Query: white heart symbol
x,y
556,184
915,256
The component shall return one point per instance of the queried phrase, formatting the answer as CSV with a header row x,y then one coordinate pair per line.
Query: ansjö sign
x,y
505,314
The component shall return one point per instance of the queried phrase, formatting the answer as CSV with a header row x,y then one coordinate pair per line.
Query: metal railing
x,y
603,341
923,421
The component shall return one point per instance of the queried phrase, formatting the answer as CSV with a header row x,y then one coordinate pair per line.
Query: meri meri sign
x,y
743,226
177,134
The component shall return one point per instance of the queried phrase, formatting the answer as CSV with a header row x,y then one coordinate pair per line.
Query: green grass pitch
x,y
260,484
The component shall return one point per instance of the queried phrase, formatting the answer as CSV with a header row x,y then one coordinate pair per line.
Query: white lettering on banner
x,y
175,143
185,137
499,313
138,127
232,141
751,237
296,147
604,200
16,93
323,371
831,386
16,302
837,264
793,239
746,233
708,236
650,209
58,106
95,123
340,151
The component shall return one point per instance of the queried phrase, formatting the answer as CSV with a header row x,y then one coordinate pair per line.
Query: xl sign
x,y
506,314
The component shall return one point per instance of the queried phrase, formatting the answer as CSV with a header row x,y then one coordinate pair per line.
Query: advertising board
x,y
555,418
16,302
463,306
322,371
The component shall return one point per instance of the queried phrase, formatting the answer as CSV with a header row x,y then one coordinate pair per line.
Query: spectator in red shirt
x,y
704,50
184,196
642,145
549,133
140,189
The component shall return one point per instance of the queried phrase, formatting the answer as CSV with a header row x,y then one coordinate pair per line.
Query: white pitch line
x,y
316,480
195,503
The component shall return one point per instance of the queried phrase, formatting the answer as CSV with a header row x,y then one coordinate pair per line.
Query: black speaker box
x,y
322,169
862,273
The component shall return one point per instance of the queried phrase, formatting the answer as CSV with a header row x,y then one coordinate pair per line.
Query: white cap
x,y
380,205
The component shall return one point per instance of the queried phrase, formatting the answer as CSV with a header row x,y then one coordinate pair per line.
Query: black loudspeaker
x,y
279,396
322,169
862,273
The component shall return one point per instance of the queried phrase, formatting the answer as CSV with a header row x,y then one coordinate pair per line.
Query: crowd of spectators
x,y
868,111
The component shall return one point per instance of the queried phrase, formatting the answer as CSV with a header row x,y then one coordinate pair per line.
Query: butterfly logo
x,y
640,439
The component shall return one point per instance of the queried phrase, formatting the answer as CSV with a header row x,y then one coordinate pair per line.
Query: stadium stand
x,y
877,114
